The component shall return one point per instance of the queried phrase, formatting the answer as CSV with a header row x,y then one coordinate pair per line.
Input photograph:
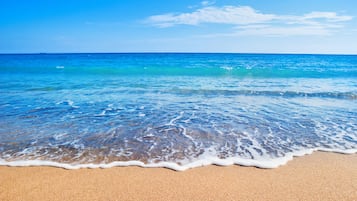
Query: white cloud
x,y
210,14
244,17
273,31
207,3
330,16
300,30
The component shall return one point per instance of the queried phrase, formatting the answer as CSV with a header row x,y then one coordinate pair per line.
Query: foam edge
x,y
264,164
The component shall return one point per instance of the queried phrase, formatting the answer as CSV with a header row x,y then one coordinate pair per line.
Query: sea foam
x,y
267,164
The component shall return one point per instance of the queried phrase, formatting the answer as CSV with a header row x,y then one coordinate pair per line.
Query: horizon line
x,y
178,52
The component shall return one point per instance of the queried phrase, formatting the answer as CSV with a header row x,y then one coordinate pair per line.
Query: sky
x,y
243,26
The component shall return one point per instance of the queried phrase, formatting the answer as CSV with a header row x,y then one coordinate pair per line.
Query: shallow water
x,y
174,110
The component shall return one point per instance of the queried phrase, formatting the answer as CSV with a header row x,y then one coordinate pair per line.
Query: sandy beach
x,y
320,176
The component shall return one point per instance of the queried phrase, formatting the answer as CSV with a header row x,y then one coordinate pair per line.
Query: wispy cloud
x,y
246,20
224,15
207,3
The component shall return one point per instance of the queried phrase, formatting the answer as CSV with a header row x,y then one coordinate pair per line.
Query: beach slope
x,y
320,176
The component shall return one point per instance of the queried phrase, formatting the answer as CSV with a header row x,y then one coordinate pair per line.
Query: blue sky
x,y
265,26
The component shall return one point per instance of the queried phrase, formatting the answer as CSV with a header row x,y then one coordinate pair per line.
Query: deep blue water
x,y
175,110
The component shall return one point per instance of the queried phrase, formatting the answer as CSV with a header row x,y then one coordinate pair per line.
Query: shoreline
x,y
267,164
319,176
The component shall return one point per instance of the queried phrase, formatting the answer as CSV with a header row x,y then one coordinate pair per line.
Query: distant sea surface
x,y
174,110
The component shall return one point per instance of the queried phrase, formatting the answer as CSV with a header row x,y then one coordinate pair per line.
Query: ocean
x,y
174,110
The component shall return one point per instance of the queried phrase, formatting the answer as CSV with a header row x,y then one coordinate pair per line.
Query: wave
x,y
285,94
205,161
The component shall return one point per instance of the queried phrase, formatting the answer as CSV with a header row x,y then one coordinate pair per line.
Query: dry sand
x,y
320,176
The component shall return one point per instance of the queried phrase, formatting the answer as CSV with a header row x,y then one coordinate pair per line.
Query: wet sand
x,y
320,176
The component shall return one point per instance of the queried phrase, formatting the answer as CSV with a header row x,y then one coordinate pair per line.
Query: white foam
x,y
208,160
172,121
69,103
228,68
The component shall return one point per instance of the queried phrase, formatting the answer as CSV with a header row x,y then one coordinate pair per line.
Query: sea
x,y
174,110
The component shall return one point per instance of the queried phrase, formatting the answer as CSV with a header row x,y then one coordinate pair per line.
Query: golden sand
x,y
320,176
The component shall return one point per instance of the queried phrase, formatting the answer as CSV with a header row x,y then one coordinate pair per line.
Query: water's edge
x,y
267,164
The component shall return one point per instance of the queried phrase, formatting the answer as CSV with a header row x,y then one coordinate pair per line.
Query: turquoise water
x,y
174,110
